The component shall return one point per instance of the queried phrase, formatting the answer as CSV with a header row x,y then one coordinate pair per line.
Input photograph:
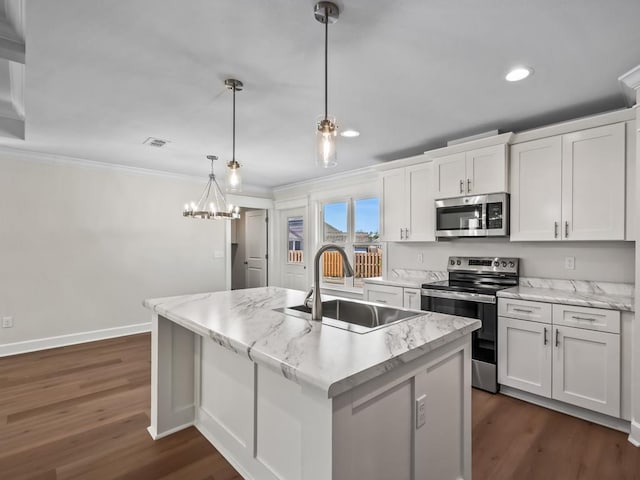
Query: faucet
x,y
316,306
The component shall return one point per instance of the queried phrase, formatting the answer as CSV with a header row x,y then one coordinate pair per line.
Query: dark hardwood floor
x,y
81,412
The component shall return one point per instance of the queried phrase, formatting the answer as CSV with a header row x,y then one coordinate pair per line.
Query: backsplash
x,y
594,261
425,276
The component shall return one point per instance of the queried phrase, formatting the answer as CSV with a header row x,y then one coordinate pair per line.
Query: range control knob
x,y
504,264
496,264
452,262
458,262
511,264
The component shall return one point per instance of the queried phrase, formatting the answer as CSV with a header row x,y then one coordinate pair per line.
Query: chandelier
x,y
212,204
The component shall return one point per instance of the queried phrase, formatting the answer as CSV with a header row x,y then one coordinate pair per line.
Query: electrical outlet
x,y
218,254
7,322
420,258
421,411
570,263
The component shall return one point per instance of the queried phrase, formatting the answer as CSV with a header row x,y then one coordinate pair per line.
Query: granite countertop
x,y
613,296
303,351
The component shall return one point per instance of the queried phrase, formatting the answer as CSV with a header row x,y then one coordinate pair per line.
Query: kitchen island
x,y
282,397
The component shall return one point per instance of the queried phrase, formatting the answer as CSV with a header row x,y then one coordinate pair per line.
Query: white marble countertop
x,y
571,297
307,352
407,278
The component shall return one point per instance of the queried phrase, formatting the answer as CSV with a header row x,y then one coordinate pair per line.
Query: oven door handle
x,y
471,297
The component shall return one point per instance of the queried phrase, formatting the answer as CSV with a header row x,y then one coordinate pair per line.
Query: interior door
x,y
293,248
256,247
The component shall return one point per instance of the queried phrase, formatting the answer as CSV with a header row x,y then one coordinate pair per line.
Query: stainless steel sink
x,y
355,316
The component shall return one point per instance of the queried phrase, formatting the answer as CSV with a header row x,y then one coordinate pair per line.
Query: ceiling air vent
x,y
155,142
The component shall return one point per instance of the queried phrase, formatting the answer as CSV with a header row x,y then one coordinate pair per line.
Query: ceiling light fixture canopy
x,y
234,180
212,204
326,128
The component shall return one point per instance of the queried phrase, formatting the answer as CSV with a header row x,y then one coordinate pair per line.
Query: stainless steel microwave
x,y
476,216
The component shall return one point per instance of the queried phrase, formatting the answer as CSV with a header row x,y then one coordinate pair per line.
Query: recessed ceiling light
x,y
519,73
350,133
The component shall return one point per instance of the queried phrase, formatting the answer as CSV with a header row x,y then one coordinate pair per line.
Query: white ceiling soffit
x,y
409,75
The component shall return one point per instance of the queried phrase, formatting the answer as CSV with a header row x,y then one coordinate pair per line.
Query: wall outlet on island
x,y
7,322
570,263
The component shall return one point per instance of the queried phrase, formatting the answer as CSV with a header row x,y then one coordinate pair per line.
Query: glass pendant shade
x,y
326,138
212,204
234,178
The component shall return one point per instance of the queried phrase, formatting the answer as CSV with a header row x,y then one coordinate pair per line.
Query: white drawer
x,y
524,310
392,296
587,318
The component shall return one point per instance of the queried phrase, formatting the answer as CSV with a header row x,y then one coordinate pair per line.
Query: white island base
x,y
270,427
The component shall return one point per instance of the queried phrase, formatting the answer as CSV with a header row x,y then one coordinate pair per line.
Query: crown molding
x,y
630,83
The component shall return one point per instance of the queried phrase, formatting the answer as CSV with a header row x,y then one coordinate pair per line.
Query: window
x,y
295,242
354,225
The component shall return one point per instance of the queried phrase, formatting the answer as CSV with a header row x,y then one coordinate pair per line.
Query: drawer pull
x,y
410,293
523,310
545,336
380,301
557,335
576,317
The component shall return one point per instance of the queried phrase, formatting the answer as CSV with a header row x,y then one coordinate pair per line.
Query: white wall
x,y
604,261
81,247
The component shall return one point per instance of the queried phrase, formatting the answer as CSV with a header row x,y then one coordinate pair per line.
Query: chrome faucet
x,y
316,306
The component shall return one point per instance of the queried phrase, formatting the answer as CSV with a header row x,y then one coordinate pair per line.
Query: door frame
x,y
244,201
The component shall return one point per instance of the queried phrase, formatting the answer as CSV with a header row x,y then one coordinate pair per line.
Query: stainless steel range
x,y
471,292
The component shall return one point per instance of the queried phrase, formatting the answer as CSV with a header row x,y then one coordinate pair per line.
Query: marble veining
x,y
585,294
404,277
580,286
306,352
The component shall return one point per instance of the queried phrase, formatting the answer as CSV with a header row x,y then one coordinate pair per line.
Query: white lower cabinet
x,y
412,298
386,294
580,366
586,369
392,295
524,355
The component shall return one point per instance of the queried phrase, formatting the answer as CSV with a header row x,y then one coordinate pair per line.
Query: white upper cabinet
x,y
536,189
393,205
570,187
408,204
475,172
450,175
593,184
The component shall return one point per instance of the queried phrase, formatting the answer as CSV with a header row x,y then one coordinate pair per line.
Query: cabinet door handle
x,y
566,229
401,237
555,229
523,310
557,337
380,301
468,185
545,336
576,317
461,186
406,234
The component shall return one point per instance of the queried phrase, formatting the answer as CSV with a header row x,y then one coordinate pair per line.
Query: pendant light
x,y
326,128
234,180
212,204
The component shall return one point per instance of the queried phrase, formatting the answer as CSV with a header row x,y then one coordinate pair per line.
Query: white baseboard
x,y
71,339
157,436
634,434
562,407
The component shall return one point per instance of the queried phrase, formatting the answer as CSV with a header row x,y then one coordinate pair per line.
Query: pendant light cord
x,y
326,61
233,154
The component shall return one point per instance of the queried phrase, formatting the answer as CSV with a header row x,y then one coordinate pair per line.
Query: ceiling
x,y
101,77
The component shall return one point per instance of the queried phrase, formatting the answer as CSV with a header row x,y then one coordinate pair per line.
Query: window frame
x,y
350,244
